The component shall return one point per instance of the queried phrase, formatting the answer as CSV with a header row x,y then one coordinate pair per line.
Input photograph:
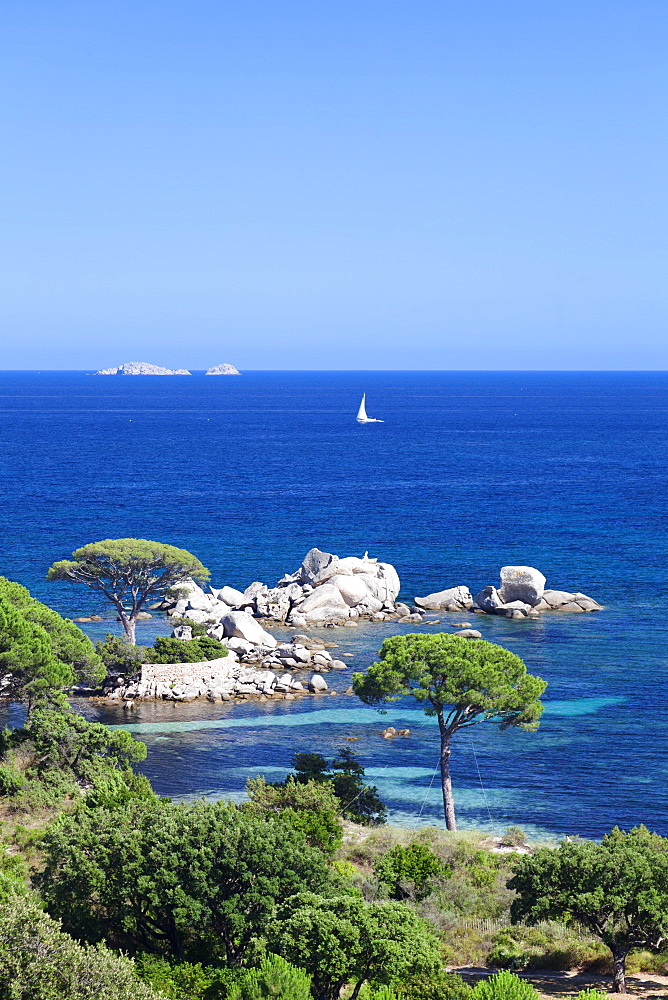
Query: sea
x,y
470,471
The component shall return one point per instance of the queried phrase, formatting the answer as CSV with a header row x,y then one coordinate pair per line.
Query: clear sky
x,y
472,184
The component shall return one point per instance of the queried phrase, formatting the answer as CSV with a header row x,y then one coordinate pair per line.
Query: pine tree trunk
x,y
129,624
619,974
446,781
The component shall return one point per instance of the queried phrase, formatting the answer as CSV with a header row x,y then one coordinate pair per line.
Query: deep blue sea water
x,y
470,471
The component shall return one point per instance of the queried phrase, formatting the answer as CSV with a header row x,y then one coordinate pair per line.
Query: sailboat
x,y
362,417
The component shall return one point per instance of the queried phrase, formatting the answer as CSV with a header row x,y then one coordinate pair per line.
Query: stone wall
x,y
182,673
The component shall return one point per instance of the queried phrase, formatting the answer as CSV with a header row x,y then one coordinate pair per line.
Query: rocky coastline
x,y
325,591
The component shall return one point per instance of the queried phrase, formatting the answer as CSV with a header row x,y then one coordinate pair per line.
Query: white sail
x,y
362,417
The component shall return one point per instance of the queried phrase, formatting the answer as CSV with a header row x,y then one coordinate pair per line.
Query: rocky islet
x,y
143,368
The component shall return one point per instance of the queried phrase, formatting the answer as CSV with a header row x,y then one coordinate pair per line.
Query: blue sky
x,y
367,184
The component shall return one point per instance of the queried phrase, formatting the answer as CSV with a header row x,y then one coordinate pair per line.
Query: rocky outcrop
x,y
522,594
142,368
324,590
222,370
454,599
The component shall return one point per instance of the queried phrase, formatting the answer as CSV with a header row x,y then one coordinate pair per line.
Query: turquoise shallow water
x,y
563,471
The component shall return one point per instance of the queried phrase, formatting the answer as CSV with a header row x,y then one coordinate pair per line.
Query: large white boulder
x,y
326,613
521,583
187,589
353,564
453,599
230,596
200,602
353,589
241,625
199,617
317,567
326,594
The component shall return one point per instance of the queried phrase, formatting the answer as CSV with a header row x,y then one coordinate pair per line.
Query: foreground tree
x,y
618,889
40,962
342,939
129,571
156,876
461,681
40,652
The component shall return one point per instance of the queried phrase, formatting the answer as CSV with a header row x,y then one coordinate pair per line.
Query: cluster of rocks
x,y
521,594
142,368
324,590
250,670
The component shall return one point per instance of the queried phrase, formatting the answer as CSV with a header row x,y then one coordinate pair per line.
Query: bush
x,y
592,995
11,779
447,986
409,872
514,837
310,807
550,946
118,656
185,980
275,978
504,986
198,650
40,962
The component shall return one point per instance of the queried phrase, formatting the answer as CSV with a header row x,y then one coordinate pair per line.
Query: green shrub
x,y
11,779
198,650
504,986
310,807
514,837
40,962
447,986
383,993
185,980
275,979
592,995
118,656
409,872
550,946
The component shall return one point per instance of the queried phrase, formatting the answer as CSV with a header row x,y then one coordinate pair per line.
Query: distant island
x,y
142,368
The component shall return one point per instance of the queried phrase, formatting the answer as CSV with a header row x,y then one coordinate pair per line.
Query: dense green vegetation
x,y
357,801
617,889
40,652
462,682
301,892
282,897
128,572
